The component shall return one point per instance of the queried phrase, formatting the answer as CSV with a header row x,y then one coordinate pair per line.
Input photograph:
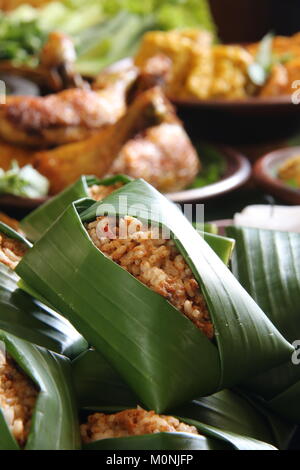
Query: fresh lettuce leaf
x,y
25,182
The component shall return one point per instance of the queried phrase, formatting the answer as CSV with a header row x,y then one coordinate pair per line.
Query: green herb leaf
x,y
259,70
25,182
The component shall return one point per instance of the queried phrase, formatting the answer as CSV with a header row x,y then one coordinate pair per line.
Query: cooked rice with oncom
x,y
135,422
11,251
155,261
18,396
99,192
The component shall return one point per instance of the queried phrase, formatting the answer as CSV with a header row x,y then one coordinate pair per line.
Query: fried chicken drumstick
x,y
69,116
58,56
148,142
162,155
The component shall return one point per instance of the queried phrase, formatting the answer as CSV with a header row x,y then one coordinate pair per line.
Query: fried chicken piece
x,y
163,155
58,55
293,71
286,50
115,73
62,166
277,82
154,72
281,46
69,116
10,152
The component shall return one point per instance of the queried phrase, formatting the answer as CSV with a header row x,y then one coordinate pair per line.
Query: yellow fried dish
x,y
190,53
199,69
202,70
289,172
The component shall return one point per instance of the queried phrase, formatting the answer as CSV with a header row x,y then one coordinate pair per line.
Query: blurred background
x,y
237,21
249,20
253,115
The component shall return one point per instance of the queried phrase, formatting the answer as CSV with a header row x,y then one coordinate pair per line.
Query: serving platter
x,y
266,170
16,85
243,121
252,103
234,120
237,172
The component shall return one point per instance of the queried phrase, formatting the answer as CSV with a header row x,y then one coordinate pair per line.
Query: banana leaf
x,y
11,233
237,413
210,438
266,262
222,246
25,317
28,319
98,386
286,404
38,221
54,423
209,228
163,357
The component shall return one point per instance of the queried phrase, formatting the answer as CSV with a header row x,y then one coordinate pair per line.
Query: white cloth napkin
x,y
284,218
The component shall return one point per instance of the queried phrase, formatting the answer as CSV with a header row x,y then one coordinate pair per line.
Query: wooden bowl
x,y
266,170
240,121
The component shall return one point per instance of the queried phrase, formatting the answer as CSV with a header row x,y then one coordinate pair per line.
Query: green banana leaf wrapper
x,y
160,354
266,262
37,222
54,423
29,319
236,412
222,246
210,438
208,228
11,233
98,386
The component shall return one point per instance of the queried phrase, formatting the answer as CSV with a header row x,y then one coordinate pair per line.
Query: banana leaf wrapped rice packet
x,y
38,221
24,316
13,246
37,406
167,348
137,429
99,387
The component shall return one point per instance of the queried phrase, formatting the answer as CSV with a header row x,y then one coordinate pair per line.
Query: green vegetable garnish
x,y
20,40
260,69
213,166
25,182
104,31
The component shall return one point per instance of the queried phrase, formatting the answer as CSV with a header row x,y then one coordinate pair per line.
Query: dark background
x,y
249,20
